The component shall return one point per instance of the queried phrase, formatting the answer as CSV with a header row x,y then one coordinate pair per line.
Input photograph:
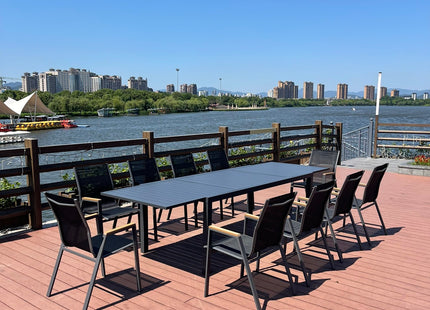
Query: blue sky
x,y
250,45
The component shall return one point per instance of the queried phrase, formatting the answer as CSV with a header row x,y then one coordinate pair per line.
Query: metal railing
x,y
358,143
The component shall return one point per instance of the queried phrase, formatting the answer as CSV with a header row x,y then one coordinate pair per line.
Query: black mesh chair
x,y
341,206
183,165
266,239
91,181
218,161
371,191
145,171
324,159
76,239
308,221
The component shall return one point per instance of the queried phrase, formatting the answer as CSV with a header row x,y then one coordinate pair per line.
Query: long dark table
x,y
209,187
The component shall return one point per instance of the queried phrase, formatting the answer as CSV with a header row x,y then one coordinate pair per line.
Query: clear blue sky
x,y
250,44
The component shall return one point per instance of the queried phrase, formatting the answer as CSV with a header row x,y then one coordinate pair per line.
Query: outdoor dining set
x,y
284,218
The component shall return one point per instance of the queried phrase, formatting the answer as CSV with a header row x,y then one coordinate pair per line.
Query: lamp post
x,y
220,86
378,97
177,79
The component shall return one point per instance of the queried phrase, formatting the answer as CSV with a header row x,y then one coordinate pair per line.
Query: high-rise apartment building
x,y
170,88
425,96
394,93
342,91
285,90
308,90
414,96
183,88
369,92
192,89
47,82
296,92
30,83
139,84
111,82
383,91
320,91
96,82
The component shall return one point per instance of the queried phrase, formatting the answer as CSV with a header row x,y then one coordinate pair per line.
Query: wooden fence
x,y
286,144
401,140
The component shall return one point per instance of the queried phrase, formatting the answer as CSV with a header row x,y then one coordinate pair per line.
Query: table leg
x,y
143,228
308,186
207,218
251,202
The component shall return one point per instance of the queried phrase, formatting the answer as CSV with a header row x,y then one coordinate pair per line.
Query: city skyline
x,y
243,43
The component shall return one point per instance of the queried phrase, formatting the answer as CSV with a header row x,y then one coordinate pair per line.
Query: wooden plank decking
x,y
393,274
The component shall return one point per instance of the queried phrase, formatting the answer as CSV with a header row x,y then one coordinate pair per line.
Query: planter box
x,y
415,170
15,217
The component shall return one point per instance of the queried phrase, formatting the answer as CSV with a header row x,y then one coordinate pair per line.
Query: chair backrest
x,y
74,231
218,159
372,187
346,195
143,171
270,226
314,211
183,165
325,159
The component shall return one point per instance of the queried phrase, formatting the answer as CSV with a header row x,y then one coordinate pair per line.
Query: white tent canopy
x,y
4,109
30,104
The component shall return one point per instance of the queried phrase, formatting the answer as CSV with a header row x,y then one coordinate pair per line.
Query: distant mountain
x,y
13,85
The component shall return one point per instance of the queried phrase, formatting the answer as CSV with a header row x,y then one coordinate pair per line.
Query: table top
x,y
175,192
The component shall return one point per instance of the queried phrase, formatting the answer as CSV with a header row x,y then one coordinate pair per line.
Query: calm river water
x,y
129,127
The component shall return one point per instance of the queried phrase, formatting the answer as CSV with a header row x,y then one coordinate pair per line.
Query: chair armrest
x,y
328,173
91,199
224,231
91,216
121,228
362,184
251,217
300,204
302,198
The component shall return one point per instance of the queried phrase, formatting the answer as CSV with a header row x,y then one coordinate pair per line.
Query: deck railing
x,y
401,140
48,168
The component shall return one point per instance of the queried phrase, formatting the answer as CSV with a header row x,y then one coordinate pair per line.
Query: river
x,y
129,127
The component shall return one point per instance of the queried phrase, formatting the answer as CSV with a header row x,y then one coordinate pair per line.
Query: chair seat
x,y
231,247
296,227
112,245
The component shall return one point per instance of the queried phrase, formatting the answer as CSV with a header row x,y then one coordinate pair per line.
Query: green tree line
x,y
80,103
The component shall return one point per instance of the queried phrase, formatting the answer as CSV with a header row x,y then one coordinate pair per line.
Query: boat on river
x,y
105,112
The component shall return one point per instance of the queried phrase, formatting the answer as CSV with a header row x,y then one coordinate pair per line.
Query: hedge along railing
x,y
410,141
287,144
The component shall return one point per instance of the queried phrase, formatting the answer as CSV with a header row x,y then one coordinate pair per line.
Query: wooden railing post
x,y
375,141
224,138
149,149
33,180
339,132
276,144
318,133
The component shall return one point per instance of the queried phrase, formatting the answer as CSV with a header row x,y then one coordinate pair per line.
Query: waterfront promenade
x,y
393,274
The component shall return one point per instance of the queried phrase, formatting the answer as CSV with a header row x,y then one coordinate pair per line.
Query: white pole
x,y
378,93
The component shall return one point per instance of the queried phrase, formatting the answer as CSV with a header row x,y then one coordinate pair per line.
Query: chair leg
x,y
196,223
154,222
336,245
185,216
136,259
232,207
221,211
287,270
355,231
301,261
169,214
93,279
54,272
207,263
250,277
159,215
364,225
327,249
380,218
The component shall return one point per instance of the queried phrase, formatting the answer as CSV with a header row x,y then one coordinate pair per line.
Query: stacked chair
x,y
76,239
91,181
218,160
370,194
266,239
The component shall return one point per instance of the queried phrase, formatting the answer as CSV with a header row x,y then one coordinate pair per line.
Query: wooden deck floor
x,y
393,274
